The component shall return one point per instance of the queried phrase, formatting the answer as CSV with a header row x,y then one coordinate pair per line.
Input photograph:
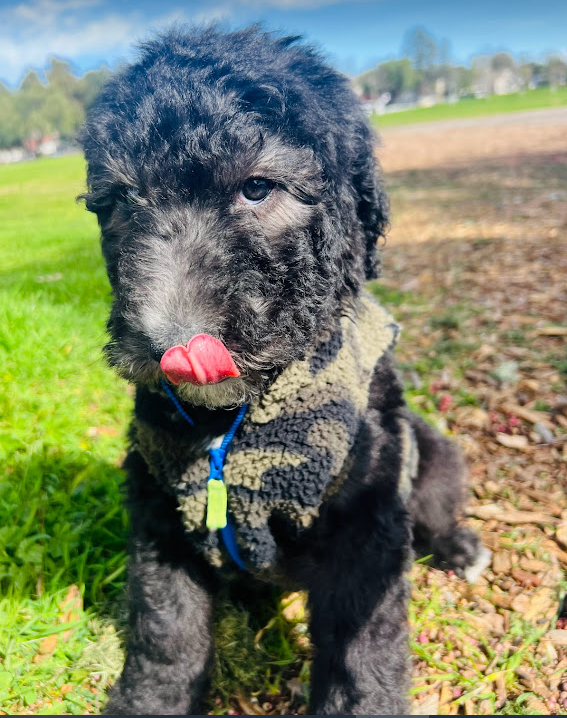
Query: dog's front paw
x,y
472,573
462,552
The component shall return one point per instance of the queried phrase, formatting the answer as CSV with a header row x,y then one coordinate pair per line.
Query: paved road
x,y
533,118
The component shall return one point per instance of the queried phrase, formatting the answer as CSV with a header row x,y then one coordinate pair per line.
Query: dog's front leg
x,y
169,648
358,600
436,505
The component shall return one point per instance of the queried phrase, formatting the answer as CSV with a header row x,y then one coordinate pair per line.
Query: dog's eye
x,y
129,195
132,194
255,190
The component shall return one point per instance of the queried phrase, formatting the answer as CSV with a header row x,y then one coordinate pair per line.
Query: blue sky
x,y
355,35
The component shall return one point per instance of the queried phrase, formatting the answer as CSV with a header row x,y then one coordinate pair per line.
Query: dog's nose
x,y
156,352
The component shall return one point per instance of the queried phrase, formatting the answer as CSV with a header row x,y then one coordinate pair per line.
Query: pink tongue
x,y
203,360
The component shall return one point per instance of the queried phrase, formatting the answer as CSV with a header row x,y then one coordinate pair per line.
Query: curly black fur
x,y
169,145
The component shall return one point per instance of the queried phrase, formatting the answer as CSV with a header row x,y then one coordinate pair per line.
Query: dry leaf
x,y
557,636
556,551
561,533
491,539
539,687
501,562
533,565
294,606
533,417
520,603
552,332
513,441
46,647
537,706
70,607
547,651
249,708
429,707
501,692
472,416
525,579
480,623
542,604
510,516
446,695
501,600
469,708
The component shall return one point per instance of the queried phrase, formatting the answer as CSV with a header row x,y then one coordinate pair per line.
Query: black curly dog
x,y
234,180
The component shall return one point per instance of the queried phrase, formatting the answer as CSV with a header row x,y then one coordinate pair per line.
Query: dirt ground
x,y
476,263
433,144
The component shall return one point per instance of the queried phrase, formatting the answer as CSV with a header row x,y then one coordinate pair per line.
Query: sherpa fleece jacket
x,y
292,451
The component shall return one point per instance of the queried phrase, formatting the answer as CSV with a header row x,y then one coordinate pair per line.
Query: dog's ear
x,y
372,201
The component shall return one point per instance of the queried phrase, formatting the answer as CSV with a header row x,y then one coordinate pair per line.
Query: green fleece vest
x,y
293,449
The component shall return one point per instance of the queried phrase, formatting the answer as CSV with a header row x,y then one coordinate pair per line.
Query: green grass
x,y
62,418
542,98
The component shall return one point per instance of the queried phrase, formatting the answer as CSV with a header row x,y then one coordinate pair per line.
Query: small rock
x,y
415,379
507,372
295,687
546,434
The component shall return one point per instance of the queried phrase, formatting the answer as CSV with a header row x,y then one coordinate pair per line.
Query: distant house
x,y
377,106
42,145
13,154
505,82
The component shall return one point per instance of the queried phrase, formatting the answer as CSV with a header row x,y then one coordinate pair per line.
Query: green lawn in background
x,y
542,98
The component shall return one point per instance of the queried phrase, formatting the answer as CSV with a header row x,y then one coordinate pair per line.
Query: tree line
x,y
426,68
57,106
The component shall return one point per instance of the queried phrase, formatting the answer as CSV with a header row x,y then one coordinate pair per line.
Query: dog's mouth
x,y
203,360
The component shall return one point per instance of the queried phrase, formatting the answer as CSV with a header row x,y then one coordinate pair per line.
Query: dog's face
x,y
233,178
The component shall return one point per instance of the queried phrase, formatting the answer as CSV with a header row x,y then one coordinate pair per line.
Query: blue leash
x,y
177,403
216,487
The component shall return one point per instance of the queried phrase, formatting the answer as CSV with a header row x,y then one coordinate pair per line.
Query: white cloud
x,y
298,4
32,31
42,11
211,14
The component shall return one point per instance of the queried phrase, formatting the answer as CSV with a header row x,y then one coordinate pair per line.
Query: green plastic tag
x,y
216,504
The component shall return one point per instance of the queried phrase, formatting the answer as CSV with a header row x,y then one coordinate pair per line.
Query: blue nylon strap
x,y
229,538
216,463
217,457
177,403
